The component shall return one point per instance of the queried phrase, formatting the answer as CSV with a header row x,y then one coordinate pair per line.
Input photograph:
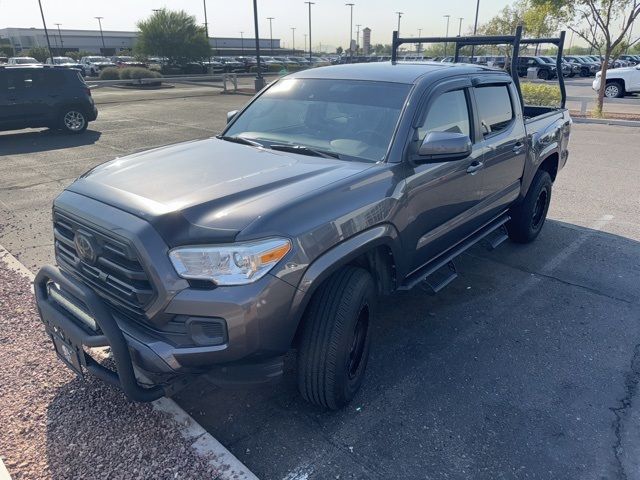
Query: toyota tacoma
x,y
332,187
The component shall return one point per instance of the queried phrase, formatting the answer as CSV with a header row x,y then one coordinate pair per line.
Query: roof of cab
x,y
401,72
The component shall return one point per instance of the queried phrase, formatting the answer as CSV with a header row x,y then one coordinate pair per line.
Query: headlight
x,y
230,264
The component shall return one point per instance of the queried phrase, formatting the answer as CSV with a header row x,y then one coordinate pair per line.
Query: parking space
x,y
526,367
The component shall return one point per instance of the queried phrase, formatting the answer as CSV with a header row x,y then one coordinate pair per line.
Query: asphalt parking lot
x,y
526,367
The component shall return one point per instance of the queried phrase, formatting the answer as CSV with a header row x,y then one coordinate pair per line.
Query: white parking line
x,y
202,442
4,473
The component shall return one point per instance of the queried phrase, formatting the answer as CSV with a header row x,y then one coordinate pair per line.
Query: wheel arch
x,y
377,250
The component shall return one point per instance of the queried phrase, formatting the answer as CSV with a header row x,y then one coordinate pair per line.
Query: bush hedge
x,y
540,94
110,73
129,73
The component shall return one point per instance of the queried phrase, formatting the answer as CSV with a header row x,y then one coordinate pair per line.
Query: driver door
x,y
442,197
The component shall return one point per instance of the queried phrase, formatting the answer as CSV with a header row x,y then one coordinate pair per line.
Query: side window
x,y
449,113
494,108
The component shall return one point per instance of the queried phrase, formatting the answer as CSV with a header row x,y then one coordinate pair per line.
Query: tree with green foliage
x,y
173,35
39,53
538,19
604,25
339,50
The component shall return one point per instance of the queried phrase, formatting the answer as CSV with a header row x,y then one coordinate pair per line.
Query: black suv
x,y
546,71
44,96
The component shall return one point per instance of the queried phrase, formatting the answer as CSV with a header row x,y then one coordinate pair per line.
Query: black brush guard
x,y
515,40
61,323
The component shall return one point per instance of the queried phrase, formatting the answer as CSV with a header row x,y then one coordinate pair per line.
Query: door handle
x,y
474,167
518,147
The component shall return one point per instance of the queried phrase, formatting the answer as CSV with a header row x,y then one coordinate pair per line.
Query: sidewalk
x,y
56,426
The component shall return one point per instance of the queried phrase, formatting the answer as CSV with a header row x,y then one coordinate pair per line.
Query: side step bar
x,y
446,259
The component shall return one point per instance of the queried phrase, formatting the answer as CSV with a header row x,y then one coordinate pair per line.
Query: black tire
x,y
614,89
334,346
543,75
73,120
527,217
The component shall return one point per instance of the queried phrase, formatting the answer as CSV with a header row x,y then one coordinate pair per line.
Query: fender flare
x,y
338,256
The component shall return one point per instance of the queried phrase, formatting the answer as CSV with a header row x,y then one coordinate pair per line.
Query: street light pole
x,y
46,32
259,82
101,34
419,43
310,48
475,27
60,36
399,16
293,40
350,5
358,38
447,34
460,26
242,43
271,19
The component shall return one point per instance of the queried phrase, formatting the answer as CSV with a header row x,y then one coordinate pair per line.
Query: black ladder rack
x,y
515,40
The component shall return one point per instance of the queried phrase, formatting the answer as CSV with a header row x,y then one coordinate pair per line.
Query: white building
x,y
111,41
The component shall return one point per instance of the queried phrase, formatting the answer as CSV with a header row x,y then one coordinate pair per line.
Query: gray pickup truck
x,y
332,187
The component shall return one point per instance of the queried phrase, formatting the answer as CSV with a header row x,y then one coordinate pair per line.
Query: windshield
x,y
351,118
96,59
59,60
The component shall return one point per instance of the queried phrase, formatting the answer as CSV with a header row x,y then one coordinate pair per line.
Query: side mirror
x,y
444,146
231,115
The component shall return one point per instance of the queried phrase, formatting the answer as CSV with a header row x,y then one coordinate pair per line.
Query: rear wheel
x,y
527,218
334,347
614,89
73,120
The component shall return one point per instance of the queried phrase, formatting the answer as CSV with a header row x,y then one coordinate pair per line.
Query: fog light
x,y
207,331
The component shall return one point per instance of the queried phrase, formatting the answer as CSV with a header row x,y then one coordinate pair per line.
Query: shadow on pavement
x,y
43,140
514,371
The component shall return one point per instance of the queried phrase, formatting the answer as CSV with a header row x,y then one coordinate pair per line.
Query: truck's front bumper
x,y
77,319
71,336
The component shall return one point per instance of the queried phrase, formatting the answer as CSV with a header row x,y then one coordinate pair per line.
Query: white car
x,y
95,64
23,61
620,82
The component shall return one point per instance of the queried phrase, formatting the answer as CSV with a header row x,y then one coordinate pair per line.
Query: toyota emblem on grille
x,y
85,247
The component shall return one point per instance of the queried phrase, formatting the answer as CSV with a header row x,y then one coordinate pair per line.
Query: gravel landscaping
x,y
56,426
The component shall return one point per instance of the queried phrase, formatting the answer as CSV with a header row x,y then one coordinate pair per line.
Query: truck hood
x,y
209,190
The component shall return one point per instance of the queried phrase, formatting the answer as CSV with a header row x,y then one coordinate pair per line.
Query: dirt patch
x,y
608,116
56,426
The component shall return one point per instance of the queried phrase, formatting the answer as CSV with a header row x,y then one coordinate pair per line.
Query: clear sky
x,y
227,18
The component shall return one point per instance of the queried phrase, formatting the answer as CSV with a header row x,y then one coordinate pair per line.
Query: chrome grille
x,y
115,273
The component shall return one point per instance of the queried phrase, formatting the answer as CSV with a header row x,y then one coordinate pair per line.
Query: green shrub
x,y
135,73
540,94
110,73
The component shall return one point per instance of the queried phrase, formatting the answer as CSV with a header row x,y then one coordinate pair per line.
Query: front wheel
x,y
543,75
527,217
334,346
73,120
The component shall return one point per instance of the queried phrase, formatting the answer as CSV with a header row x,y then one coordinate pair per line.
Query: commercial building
x,y
366,40
110,42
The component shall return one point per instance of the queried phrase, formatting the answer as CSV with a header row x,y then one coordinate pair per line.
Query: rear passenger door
x,y
31,95
503,142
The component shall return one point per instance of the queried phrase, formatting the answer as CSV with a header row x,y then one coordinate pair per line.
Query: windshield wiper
x,y
241,140
303,150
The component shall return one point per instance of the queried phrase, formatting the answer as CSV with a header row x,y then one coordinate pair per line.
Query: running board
x,y
446,259
498,238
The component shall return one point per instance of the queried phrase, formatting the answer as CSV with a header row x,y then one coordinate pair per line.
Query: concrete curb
x,y
201,441
4,473
604,121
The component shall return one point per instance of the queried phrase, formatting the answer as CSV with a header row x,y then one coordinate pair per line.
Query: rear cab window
x,y
495,108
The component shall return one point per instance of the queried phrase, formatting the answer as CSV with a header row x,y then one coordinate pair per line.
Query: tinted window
x,y
494,108
449,113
